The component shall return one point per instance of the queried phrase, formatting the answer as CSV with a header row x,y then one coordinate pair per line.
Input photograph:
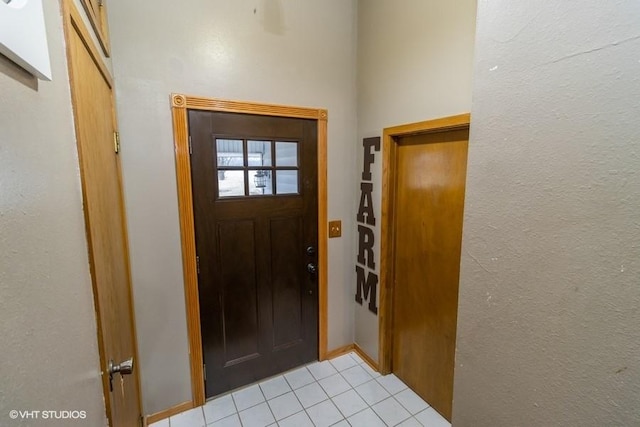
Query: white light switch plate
x,y
23,36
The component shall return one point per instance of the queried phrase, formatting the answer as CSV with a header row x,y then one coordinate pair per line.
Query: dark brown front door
x,y
255,207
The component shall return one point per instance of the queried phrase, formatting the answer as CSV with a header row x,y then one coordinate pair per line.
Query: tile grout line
x,y
202,412
267,403
317,403
402,420
290,385
298,399
338,372
296,396
355,391
367,403
405,408
263,395
362,397
329,398
391,395
294,393
409,410
235,406
233,399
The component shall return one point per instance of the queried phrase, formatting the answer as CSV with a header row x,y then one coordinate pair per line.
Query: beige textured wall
x,y
48,352
548,327
414,63
274,51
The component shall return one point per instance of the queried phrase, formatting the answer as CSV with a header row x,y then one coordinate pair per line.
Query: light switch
x,y
335,229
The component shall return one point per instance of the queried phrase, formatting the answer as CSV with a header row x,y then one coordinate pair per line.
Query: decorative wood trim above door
x,y
389,146
179,105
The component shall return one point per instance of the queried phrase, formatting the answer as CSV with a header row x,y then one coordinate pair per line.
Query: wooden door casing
x,y
180,105
258,304
429,173
93,106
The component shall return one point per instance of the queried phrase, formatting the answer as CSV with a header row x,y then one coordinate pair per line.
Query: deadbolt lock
x,y
312,268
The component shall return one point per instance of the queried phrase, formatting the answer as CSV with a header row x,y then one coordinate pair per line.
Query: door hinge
x,y
198,264
204,370
190,147
100,3
141,421
116,142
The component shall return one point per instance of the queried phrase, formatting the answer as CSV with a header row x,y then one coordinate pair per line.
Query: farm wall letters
x,y
367,279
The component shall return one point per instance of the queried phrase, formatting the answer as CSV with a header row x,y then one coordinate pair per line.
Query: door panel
x,y
255,212
240,289
106,227
286,259
431,173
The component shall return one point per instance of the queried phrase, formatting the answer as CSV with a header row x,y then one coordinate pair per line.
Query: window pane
x,y
286,182
259,153
230,183
229,152
260,182
286,154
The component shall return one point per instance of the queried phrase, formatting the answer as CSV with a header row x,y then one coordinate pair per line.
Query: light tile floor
x,y
342,392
